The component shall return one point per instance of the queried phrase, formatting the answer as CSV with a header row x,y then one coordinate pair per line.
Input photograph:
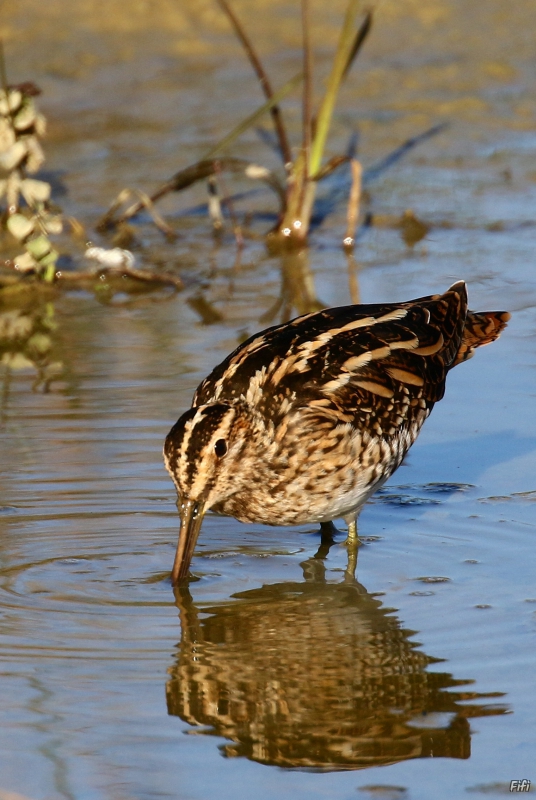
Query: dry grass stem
x,y
264,81
354,203
353,279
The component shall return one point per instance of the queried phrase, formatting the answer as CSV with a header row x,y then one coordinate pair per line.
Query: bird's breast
x,y
318,480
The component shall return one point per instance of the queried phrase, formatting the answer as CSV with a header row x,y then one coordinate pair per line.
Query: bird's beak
x,y
191,518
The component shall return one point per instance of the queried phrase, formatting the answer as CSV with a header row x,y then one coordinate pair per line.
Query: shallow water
x,y
272,676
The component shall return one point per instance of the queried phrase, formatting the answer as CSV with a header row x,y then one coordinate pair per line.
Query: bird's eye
x,y
220,447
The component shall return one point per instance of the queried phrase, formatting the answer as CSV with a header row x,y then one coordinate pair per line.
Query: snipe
x,y
304,421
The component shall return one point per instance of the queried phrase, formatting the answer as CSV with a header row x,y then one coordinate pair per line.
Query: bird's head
x,y
202,452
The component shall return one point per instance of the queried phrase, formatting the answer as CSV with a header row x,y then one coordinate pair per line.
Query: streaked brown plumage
x,y
304,421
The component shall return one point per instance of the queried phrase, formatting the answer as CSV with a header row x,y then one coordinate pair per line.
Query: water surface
x,y
272,676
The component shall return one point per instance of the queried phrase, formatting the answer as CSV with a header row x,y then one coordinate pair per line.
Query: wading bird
x,y
306,420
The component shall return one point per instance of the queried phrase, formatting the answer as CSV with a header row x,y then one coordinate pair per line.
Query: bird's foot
x,y
328,531
353,539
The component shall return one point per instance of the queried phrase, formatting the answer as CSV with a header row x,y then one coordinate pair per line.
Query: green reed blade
x,y
361,35
342,55
248,122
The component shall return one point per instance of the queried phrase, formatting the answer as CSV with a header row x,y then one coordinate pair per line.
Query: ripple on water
x,y
91,577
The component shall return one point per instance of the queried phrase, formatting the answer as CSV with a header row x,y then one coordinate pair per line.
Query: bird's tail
x,y
481,327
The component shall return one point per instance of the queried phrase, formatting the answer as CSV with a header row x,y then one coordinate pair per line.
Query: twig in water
x,y
237,230
354,202
143,202
214,205
353,281
144,275
186,178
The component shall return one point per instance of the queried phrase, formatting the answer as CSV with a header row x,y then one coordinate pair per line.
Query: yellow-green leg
x,y
353,538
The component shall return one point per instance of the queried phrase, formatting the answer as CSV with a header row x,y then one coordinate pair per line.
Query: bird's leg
x,y
353,538
327,532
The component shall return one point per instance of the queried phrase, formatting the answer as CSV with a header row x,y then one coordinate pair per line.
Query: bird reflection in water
x,y
317,675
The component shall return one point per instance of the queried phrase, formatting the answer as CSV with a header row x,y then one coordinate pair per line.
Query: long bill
x,y
191,513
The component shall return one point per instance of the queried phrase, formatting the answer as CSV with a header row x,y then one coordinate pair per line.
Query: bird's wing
x,y
346,359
